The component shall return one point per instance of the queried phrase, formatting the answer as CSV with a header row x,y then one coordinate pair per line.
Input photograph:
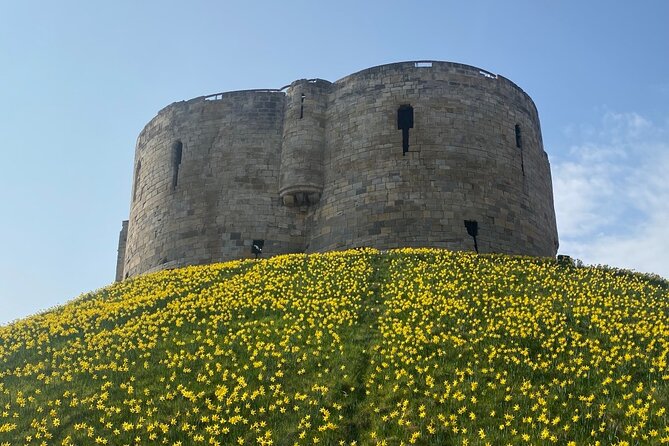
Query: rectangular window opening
x,y
404,123
472,227
423,64
137,177
177,153
519,144
257,247
302,106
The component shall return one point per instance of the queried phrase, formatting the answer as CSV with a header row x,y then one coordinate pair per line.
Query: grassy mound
x,y
359,347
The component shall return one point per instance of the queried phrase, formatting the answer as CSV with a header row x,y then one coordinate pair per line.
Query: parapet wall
x,y
319,166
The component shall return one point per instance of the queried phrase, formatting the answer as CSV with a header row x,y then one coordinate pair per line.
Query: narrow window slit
x,y
404,123
137,176
519,144
302,106
177,151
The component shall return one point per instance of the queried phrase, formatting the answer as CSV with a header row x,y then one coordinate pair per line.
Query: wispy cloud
x,y
612,194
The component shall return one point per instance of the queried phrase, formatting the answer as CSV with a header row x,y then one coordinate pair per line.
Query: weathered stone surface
x,y
320,166
120,256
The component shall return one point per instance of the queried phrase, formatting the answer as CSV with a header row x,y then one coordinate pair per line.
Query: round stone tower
x,y
206,183
396,155
473,152
303,143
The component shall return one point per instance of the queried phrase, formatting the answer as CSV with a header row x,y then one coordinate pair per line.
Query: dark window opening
x,y
473,230
404,123
177,151
302,106
137,173
257,246
519,144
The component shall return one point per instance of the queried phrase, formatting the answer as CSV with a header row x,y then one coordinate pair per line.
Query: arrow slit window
x,y
177,150
404,123
519,144
137,177
302,105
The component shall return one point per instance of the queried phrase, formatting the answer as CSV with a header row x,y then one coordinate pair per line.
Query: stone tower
x,y
395,155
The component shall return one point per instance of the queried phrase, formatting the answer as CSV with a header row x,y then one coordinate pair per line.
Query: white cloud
x,y
612,195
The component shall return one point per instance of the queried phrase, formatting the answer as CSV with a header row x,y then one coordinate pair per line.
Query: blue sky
x,y
79,79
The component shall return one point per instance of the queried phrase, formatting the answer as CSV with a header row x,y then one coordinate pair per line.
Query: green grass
x,y
361,347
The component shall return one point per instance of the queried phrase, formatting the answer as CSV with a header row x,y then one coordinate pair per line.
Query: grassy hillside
x,y
406,347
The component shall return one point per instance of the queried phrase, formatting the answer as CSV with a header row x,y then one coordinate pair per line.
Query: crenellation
x,y
319,165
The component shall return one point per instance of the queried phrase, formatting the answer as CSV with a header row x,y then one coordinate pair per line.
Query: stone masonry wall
x,y
226,194
303,142
463,164
319,166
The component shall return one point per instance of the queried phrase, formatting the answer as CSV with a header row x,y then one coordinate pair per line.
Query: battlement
x,y
395,155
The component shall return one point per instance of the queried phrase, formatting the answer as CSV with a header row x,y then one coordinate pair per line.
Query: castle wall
x,y
225,194
462,164
321,166
303,142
